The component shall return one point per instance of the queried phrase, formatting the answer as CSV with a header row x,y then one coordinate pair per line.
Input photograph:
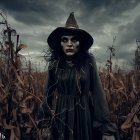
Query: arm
x,y
101,115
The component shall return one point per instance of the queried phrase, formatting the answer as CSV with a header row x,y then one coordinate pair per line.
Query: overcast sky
x,y
34,20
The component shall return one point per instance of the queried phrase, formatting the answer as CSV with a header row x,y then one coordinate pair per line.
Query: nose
x,y
69,43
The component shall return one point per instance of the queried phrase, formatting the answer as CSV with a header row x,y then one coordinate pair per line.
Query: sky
x,y
34,20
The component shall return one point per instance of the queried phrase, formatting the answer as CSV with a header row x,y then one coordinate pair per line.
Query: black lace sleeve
x,y
99,99
101,111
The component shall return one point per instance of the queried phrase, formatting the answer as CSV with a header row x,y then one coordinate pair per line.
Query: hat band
x,y
71,27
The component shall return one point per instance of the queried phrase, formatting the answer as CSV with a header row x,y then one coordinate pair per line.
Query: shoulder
x,y
92,61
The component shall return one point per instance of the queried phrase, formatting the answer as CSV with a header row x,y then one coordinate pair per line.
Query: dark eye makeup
x,y
64,39
73,39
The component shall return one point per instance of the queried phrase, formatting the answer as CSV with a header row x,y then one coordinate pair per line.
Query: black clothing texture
x,y
81,109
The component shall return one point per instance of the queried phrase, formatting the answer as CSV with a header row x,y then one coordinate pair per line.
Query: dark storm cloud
x,y
23,5
31,11
95,12
98,13
130,32
113,7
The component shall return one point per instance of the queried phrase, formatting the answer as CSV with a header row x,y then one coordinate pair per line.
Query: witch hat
x,y
71,28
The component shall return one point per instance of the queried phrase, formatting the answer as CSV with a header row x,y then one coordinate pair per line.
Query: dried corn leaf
x,y
12,137
130,117
136,134
137,120
7,126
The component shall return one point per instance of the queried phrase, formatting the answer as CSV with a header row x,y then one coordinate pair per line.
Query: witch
x,y
81,111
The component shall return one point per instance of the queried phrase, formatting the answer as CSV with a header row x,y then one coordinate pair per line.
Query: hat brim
x,y
55,37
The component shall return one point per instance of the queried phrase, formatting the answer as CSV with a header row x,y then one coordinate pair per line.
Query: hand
x,y
105,137
2,136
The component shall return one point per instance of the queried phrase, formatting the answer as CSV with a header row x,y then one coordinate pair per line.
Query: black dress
x,y
81,110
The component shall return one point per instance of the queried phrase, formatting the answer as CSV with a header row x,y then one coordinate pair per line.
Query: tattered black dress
x,y
81,110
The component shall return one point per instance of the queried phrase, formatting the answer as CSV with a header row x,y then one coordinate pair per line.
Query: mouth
x,y
69,50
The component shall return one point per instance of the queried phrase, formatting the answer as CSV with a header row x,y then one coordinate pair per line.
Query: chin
x,y
69,54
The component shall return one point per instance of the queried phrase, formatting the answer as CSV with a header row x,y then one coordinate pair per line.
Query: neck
x,y
69,58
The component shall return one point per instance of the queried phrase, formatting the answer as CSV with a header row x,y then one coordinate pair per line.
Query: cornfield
x,y
124,101
22,93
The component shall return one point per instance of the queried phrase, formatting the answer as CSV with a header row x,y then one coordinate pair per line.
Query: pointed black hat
x,y
71,28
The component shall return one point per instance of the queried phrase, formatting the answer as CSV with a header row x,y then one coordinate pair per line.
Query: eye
x,y
74,39
64,39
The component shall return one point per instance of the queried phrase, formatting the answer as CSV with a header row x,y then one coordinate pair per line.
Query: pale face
x,y
70,44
